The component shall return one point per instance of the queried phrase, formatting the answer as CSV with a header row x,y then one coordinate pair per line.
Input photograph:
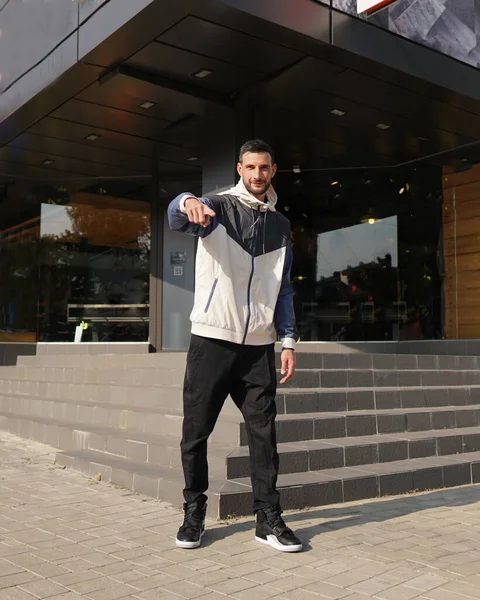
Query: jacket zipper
x,y
249,314
207,306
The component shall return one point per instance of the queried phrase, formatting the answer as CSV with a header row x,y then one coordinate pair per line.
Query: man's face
x,y
257,172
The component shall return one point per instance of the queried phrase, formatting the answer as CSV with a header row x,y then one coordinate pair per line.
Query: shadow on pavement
x,y
340,517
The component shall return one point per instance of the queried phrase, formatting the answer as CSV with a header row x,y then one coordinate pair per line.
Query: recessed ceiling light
x,y
338,113
192,158
202,73
92,137
382,126
334,183
146,105
48,161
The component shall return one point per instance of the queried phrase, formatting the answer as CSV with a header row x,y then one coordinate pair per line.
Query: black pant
x,y
215,369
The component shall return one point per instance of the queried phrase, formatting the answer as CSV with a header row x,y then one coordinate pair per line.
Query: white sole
x,y
189,545
274,543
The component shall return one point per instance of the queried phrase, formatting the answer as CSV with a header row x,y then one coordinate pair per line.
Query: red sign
x,y
369,7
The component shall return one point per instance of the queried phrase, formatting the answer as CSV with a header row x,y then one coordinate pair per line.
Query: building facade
x,y
110,108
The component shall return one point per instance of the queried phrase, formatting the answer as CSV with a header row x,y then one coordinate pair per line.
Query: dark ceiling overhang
x,y
296,63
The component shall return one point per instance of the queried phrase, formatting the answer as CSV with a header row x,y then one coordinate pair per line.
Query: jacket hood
x,y
241,192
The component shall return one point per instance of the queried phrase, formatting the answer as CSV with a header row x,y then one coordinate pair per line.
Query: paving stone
x,y
427,582
261,578
15,594
371,587
399,592
293,582
348,579
334,592
300,595
99,559
67,596
261,593
443,594
7,568
47,569
91,585
188,590
43,588
114,592
208,596
9,581
26,560
155,581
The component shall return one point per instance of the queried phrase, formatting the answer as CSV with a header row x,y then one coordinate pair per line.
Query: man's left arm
x,y
284,319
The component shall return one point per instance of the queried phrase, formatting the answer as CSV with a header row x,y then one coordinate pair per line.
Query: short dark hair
x,y
256,146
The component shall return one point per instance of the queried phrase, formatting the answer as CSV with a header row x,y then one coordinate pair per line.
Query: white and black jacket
x,y
242,275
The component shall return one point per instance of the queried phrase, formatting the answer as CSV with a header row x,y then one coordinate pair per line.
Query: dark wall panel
x,y
10,351
106,21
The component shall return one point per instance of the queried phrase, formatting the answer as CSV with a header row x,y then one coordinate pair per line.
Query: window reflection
x,y
366,253
95,268
361,245
356,276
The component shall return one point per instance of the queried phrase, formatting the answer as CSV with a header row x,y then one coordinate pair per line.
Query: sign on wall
x,y
372,6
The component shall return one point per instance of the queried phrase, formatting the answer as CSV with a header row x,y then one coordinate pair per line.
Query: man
x,y
243,300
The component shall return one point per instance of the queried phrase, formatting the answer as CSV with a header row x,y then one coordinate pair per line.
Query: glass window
x,y
366,253
19,248
71,254
94,266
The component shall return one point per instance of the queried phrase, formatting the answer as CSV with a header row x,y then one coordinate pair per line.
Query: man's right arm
x,y
192,215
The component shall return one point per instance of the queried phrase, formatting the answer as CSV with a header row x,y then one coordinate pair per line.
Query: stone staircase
x,y
350,426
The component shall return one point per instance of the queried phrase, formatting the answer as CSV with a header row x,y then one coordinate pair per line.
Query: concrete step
x,y
154,481
300,490
172,360
354,378
167,376
61,379
310,360
156,421
288,400
160,450
315,455
302,400
305,360
323,426
233,462
230,428
152,397
163,450
157,375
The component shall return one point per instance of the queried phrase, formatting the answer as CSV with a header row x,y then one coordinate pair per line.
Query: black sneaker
x,y
190,533
271,530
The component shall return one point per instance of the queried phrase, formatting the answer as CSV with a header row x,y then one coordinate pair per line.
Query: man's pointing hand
x,y
198,213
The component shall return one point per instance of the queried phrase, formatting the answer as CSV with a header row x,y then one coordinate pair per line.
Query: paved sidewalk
x,y
65,537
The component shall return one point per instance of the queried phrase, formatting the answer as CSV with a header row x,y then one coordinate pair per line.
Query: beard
x,y
260,190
